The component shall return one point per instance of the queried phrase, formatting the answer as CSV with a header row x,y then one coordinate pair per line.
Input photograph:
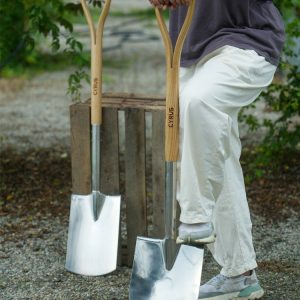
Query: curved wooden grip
x,y
96,60
172,81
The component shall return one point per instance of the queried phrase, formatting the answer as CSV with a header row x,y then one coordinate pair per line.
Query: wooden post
x,y
135,177
158,172
80,148
110,182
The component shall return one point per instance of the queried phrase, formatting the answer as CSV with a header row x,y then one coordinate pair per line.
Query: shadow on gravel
x,y
38,182
276,196
35,189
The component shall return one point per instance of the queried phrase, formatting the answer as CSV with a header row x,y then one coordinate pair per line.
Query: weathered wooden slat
x,y
135,178
158,172
80,149
134,103
110,183
123,101
110,179
132,96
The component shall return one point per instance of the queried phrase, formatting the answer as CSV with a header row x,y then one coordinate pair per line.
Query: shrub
x,y
23,22
11,30
282,97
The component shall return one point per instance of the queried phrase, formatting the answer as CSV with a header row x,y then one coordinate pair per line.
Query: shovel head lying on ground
x,y
93,245
152,280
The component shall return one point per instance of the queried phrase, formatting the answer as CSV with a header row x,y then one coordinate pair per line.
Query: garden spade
x,y
161,269
94,218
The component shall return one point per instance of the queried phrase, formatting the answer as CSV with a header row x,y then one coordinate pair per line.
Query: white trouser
x,y
210,179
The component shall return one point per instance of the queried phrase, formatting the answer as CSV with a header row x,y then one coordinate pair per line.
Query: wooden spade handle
x,y
172,78
96,60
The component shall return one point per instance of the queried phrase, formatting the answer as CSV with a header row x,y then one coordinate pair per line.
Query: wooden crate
x,y
134,212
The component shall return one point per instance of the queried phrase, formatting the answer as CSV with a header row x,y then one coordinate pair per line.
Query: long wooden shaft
x,y
172,82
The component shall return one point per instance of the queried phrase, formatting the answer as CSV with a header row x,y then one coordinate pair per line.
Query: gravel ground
x,y
34,116
32,266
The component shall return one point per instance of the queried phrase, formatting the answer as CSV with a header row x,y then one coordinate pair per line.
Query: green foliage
x,y
11,27
24,22
283,98
290,9
75,83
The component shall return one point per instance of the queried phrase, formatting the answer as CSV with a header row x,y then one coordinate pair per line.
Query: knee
x,y
193,99
196,107
198,110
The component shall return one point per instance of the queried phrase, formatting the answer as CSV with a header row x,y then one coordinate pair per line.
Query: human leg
x,y
211,179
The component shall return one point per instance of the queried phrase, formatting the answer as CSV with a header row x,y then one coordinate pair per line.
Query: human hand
x,y
181,2
168,3
161,3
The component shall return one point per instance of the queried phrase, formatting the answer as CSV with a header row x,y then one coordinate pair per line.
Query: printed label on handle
x,y
171,117
95,86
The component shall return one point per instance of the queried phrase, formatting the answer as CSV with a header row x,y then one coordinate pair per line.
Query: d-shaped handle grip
x,y
96,60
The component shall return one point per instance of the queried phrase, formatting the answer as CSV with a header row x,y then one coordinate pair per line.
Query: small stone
x,y
36,246
57,279
20,244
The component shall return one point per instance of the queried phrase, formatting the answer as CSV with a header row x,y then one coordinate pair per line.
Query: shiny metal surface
x,y
170,247
151,279
170,200
98,198
161,269
93,245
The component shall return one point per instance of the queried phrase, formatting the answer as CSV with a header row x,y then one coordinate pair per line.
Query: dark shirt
x,y
246,24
